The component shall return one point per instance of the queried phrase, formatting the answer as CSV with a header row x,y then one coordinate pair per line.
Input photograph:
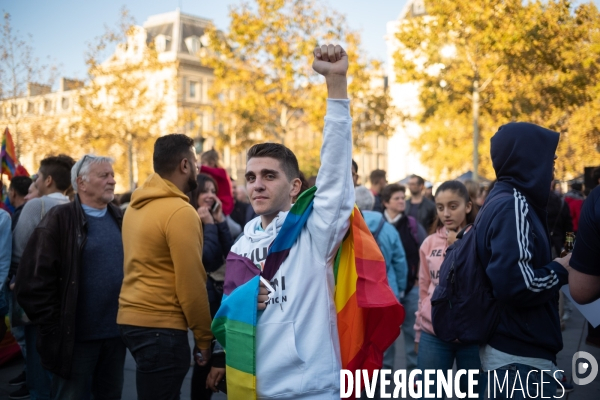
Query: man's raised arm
x,y
334,198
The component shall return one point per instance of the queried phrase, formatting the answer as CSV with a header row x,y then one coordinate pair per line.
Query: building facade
x,y
45,122
403,160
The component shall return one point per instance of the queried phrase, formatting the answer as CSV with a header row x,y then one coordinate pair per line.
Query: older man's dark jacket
x,y
47,281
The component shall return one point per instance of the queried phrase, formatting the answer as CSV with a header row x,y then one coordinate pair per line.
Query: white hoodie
x,y
298,351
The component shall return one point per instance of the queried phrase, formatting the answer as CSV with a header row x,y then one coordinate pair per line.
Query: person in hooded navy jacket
x,y
514,246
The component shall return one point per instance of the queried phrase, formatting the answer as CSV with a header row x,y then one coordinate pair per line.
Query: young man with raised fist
x,y
297,347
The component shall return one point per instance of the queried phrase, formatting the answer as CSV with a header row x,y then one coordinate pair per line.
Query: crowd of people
x,y
89,275
518,267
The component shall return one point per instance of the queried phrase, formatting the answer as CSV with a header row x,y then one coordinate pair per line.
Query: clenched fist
x,y
331,61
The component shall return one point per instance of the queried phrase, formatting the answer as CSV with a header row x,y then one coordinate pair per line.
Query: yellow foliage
x,y
265,89
123,107
538,59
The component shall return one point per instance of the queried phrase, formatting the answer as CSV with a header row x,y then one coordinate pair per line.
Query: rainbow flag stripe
x,y
8,155
234,326
369,316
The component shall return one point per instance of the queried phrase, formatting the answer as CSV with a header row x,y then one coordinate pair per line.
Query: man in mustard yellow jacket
x,y
164,285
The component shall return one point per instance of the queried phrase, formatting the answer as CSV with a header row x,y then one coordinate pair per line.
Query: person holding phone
x,y
217,243
217,237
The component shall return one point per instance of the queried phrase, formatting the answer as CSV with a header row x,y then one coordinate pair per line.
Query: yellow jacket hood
x,y
155,187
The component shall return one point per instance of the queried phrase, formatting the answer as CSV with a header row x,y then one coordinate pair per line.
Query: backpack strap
x,y
379,228
462,232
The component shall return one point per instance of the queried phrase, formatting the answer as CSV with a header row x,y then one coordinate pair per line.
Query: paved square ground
x,y
573,337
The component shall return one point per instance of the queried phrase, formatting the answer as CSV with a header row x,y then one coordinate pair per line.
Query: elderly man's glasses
x,y
81,165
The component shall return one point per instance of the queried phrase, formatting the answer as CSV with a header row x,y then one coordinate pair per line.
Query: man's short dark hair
x,y
595,175
577,186
420,180
388,191
286,157
355,165
20,184
376,176
169,150
59,168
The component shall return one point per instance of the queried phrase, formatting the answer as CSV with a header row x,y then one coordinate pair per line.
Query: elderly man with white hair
x,y
69,281
391,247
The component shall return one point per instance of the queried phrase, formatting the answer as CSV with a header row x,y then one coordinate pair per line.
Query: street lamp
x,y
449,51
475,99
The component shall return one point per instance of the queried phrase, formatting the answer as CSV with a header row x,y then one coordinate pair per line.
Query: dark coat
x,y
513,243
217,243
411,241
242,214
559,221
47,281
426,214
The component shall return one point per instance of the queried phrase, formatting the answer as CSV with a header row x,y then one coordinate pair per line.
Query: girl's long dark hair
x,y
461,190
201,179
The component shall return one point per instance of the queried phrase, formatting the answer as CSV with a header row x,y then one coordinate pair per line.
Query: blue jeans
x,y
162,357
410,302
531,383
39,381
436,354
4,292
97,369
18,332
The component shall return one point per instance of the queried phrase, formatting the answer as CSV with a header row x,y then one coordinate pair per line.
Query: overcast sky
x,y
60,29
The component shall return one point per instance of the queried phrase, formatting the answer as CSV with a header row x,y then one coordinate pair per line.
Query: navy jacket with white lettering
x,y
513,243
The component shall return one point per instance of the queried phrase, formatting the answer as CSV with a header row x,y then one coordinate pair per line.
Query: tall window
x,y
193,90
161,42
193,44
419,7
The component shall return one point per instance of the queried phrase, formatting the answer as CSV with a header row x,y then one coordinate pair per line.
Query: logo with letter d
x,y
581,368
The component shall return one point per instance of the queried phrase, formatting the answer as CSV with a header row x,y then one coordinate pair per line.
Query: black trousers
x,y
162,358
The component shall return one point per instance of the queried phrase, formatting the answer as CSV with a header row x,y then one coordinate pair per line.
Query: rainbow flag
x,y
369,316
8,155
10,164
5,201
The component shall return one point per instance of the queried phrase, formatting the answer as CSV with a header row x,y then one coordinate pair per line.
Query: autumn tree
x,y
50,135
19,71
481,64
265,89
123,108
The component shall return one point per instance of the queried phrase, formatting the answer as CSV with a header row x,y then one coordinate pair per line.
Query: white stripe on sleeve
x,y
531,282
